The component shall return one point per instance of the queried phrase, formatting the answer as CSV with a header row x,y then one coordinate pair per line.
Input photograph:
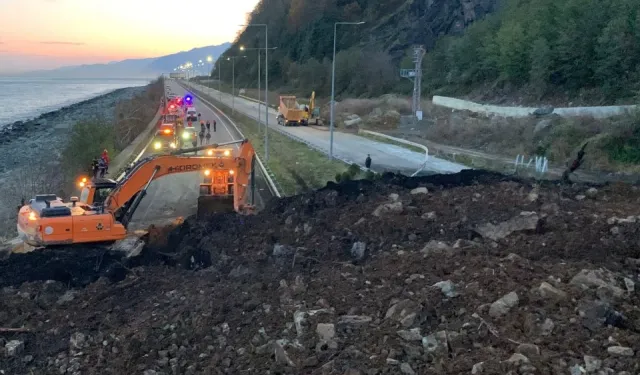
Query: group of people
x,y
100,166
205,131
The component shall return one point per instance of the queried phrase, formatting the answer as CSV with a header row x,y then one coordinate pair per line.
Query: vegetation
x,y
368,56
353,172
584,49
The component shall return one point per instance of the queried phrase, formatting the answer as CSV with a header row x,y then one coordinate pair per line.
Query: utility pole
x,y
333,82
415,75
219,78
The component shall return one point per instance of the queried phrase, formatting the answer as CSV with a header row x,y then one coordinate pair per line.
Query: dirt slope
x,y
467,272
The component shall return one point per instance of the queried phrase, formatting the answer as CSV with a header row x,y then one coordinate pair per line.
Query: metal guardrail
x,y
296,138
400,140
269,176
256,101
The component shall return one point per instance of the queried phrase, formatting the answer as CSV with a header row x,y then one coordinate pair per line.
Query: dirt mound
x,y
435,275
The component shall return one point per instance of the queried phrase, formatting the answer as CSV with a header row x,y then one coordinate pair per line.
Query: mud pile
x,y
466,273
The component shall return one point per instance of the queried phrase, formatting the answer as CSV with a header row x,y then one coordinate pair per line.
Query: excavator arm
x,y
126,196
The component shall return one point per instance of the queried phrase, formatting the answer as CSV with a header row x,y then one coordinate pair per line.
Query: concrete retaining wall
x,y
596,112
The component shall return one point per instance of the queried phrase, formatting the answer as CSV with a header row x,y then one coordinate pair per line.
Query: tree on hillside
x,y
540,72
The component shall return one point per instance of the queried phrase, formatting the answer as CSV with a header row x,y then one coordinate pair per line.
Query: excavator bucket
x,y
212,204
209,203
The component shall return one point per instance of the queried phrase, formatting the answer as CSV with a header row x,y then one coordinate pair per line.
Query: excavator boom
x,y
47,220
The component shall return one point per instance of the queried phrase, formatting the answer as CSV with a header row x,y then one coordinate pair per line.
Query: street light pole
x,y
333,82
242,48
266,85
233,82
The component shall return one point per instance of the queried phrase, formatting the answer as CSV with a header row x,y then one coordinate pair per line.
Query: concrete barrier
x,y
138,146
596,112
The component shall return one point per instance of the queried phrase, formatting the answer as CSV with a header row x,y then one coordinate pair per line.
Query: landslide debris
x,y
466,273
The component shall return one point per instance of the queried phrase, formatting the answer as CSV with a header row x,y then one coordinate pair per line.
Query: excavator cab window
x,y
101,195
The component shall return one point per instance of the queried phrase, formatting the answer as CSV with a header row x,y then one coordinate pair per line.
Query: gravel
x,y
213,297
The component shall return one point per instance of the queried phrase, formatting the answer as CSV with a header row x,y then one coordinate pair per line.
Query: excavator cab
x,y
95,192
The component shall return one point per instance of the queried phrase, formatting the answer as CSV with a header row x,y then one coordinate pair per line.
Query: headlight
x,y
227,153
157,145
172,145
185,135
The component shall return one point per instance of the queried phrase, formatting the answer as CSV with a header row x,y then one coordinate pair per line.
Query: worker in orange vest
x,y
105,156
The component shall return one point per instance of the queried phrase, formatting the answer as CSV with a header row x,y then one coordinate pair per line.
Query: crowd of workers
x,y
205,131
100,166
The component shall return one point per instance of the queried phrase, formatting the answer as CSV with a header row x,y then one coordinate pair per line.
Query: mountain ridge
x,y
149,67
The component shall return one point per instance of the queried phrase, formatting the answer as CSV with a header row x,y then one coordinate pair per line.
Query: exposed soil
x,y
245,295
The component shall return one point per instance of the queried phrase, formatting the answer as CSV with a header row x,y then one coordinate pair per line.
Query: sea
x,y
24,98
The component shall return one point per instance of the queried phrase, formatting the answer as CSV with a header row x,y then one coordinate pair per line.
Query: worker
x,y
105,156
102,167
208,137
575,164
202,126
201,136
94,167
208,125
367,162
214,126
199,115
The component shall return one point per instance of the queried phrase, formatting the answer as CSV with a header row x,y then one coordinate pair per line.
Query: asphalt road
x,y
350,147
176,195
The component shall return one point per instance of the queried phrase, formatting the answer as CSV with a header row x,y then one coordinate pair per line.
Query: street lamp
x,y
233,82
266,84
210,62
333,81
242,48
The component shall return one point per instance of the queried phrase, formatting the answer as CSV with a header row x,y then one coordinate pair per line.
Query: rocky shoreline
x,y
24,144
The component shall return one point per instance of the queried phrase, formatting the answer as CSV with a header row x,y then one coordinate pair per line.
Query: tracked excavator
x,y
105,207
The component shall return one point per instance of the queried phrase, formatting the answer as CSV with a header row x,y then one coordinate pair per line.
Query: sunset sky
x,y
36,34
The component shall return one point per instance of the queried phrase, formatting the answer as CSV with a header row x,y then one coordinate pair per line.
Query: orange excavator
x,y
106,207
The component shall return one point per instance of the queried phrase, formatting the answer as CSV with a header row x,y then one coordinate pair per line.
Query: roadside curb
x,y
400,140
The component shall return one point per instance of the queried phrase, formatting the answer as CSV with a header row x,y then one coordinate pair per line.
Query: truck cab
x,y
166,138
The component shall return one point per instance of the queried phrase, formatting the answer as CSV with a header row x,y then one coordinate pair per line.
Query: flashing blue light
x,y
187,98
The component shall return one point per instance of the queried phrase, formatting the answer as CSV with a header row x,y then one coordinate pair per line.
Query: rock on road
x,y
347,146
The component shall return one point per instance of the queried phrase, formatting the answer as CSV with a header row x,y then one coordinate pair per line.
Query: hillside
x,y
303,32
519,51
134,68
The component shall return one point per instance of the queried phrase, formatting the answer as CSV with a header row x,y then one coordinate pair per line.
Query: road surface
x,y
350,147
176,195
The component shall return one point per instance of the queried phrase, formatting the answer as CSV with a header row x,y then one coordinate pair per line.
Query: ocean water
x,y
25,98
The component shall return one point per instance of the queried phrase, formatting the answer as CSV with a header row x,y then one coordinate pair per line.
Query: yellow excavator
x,y
313,113
105,207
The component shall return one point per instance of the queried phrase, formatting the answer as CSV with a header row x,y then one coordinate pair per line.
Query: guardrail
x,y
256,101
400,140
269,176
295,138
